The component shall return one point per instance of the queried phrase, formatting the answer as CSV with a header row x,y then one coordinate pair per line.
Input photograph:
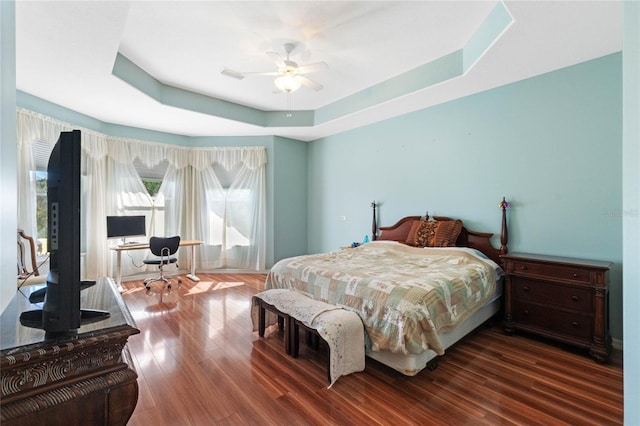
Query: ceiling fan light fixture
x,y
287,83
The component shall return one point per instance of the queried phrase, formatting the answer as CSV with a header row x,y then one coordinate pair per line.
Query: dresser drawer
x,y
552,294
567,323
556,272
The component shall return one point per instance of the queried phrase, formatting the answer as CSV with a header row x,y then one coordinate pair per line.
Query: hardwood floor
x,y
199,364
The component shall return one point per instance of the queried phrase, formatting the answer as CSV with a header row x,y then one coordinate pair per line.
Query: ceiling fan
x,y
290,76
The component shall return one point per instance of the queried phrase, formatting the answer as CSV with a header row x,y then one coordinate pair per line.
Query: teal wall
x,y
8,152
290,198
551,144
631,210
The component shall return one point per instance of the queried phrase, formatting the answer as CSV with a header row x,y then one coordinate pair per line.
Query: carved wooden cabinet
x,y
560,298
85,377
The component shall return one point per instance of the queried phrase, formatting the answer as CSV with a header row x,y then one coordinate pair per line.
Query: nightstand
x,y
560,298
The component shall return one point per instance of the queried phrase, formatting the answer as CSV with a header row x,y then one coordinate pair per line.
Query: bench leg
x,y
283,323
313,339
261,320
329,365
286,326
294,339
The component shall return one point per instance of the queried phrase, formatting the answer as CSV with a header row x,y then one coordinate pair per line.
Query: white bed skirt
x,y
412,364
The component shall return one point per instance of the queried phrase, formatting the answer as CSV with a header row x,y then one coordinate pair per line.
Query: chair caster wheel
x,y
169,286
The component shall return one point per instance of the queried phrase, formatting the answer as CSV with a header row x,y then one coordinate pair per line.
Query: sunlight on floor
x,y
204,286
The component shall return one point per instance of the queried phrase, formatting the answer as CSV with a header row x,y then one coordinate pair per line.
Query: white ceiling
x,y
65,53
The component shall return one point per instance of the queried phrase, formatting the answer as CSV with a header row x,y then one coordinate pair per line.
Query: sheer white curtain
x,y
244,238
174,202
216,195
125,195
232,219
96,202
209,198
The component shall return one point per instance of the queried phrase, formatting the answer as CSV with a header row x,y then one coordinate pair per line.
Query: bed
x,y
419,286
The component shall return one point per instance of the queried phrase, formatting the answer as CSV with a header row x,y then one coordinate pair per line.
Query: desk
x,y
183,243
85,376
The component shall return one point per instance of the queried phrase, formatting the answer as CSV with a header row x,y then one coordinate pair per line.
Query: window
x,y
221,231
151,176
41,211
41,152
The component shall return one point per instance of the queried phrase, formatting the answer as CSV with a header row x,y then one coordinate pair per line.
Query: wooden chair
x,y
23,251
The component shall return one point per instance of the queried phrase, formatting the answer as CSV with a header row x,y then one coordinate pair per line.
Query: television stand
x,y
83,377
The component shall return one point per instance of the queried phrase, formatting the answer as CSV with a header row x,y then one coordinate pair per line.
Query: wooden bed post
x,y
374,225
504,235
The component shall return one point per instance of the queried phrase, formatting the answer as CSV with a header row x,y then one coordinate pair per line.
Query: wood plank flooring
x,y
199,363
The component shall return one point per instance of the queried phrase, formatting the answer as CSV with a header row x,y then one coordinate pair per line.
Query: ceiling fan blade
x,y
262,73
277,59
309,68
231,73
309,83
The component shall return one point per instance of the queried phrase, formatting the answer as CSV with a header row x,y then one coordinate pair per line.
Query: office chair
x,y
163,249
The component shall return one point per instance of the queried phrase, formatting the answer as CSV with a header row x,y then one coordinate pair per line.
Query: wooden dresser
x,y
560,298
84,377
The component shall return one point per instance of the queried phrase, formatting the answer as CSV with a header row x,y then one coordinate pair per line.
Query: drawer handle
x,y
575,324
523,268
575,298
575,275
526,312
526,289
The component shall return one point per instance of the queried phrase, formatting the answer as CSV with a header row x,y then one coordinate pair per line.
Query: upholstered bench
x,y
341,329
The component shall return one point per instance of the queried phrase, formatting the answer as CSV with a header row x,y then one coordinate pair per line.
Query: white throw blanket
x,y
340,328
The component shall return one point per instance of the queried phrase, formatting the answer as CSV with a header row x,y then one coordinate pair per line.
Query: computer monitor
x,y
61,309
125,227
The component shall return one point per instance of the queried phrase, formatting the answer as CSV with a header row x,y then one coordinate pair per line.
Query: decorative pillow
x,y
422,233
447,233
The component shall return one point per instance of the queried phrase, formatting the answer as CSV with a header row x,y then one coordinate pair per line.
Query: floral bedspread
x,y
404,295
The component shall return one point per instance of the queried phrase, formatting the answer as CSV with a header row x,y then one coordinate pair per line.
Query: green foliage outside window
x,y
41,204
152,186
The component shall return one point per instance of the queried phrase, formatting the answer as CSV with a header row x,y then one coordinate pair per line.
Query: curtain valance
x,y
33,126
251,157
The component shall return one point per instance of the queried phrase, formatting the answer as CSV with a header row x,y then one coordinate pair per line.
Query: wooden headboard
x,y
478,240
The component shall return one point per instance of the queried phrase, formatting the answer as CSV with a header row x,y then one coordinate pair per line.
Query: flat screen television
x,y
125,227
61,311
